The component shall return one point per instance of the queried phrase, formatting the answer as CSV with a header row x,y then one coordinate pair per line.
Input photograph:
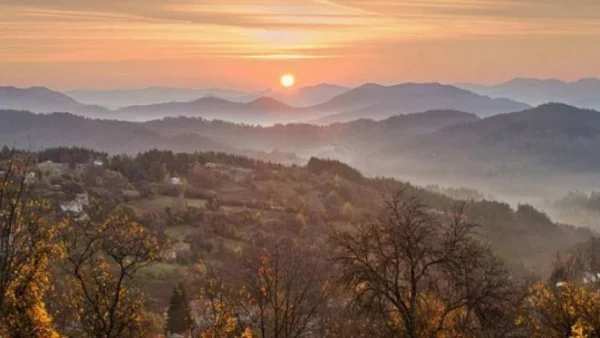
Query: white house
x,y
175,180
590,277
52,167
177,249
98,163
29,177
71,207
77,205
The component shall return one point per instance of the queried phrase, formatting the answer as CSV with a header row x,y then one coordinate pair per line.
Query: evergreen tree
x,y
179,317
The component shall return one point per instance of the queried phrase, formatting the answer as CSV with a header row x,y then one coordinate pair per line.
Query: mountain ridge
x,y
366,101
583,93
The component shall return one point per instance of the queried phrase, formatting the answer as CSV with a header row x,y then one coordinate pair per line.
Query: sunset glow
x,y
196,43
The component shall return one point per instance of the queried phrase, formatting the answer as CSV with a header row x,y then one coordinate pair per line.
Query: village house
x,y
241,175
30,177
52,168
590,277
178,249
77,205
175,180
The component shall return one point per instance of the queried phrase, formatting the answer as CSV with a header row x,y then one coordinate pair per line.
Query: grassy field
x,y
159,203
161,270
180,232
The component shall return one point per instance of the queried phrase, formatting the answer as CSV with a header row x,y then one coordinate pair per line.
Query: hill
x,y
360,135
301,201
533,154
36,131
556,136
44,100
261,110
118,98
310,96
513,155
584,93
370,101
377,101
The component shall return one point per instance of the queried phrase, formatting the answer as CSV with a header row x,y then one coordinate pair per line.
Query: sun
x,y
287,80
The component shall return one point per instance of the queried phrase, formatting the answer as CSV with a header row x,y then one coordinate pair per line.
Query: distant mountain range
x,y
551,135
547,144
584,93
362,135
309,96
44,100
263,110
119,98
377,101
546,149
368,101
548,137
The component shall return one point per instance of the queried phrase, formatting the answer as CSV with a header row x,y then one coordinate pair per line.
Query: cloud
x,y
42,30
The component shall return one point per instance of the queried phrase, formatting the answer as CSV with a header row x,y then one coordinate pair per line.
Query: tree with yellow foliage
x,y
27,243
569,304
220,313
103,255
567,310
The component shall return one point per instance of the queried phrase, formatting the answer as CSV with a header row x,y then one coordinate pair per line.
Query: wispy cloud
x,y
339,38
46,30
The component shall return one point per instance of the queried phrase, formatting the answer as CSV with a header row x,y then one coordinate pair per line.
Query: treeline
x,y
335,167
589,202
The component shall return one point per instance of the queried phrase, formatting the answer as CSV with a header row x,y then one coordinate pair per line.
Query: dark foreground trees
x,y
280,289
424,275
286,288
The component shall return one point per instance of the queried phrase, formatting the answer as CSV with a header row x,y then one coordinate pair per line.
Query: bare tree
x,y
280,289
288,289
424,272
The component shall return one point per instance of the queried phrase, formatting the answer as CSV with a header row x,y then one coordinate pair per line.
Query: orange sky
x,y
247,44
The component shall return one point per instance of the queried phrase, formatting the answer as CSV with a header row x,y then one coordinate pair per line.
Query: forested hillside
x,y
218,245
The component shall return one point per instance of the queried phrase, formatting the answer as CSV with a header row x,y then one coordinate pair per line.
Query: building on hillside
x,y
98,163
77,205
591,277
72,207
30,177
175,180
241,175
180,248
53,168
